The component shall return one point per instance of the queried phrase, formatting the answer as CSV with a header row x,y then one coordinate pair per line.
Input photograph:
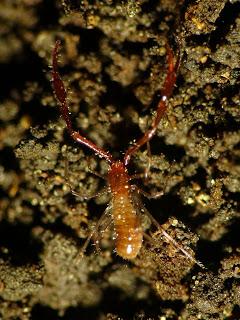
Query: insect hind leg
x,y
103,222
170,239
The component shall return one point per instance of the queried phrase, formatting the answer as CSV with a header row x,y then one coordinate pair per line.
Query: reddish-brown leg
x,y
61,95
161,108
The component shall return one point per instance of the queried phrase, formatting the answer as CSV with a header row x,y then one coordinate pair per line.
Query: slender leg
x,y
153,195
61,96
105,219
148,167
137,176
142,209
166,92
94,172
85,197
171,240
88,197
104,225
148,195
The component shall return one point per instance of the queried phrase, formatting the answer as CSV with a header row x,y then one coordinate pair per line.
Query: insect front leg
x,y
145,174
149,162
61,96
94,172
148,195
157,194
153,195
77,194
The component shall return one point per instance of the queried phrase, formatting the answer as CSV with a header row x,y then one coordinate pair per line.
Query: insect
x,y
124,208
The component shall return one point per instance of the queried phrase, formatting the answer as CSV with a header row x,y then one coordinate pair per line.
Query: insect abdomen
x,y
127,227
128,231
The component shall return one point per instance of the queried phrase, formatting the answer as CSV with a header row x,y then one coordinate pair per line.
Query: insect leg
x,y
171,240
94,172
61,95
148,195
104,225
166,92
105,219
149,162
153,195
85,197
166,235
145,174
136,176
88,197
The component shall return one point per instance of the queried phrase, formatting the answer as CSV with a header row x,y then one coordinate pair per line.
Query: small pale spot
x,y
190,200
213,182
175,222
129,249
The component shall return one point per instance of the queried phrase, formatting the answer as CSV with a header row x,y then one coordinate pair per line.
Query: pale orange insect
x,y
125,212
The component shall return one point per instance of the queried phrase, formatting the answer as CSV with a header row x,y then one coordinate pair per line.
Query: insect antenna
x,y
61,96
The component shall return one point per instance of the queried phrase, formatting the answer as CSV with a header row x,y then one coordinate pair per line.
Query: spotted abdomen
x,y
128,231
